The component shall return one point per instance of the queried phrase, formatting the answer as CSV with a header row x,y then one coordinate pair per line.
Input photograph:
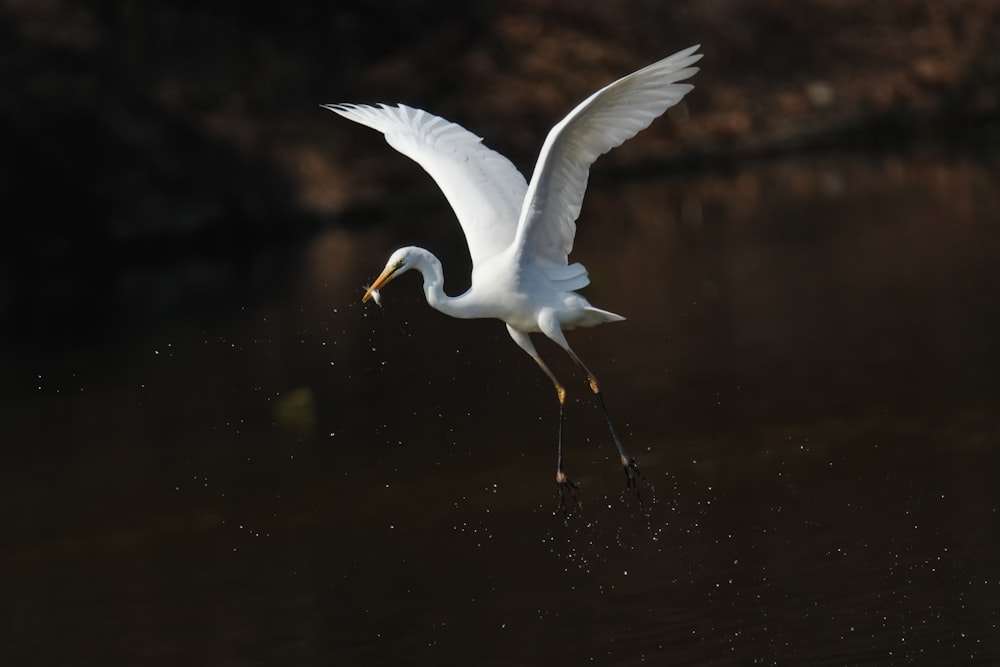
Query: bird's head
x,y
399,262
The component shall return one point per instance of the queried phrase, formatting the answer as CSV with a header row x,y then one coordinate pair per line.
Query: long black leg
x,y
629,465
567,488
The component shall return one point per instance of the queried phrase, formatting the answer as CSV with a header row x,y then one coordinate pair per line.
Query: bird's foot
x,y
567,488
633,476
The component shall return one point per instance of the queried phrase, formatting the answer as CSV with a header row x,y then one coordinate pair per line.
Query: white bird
x,y
520,233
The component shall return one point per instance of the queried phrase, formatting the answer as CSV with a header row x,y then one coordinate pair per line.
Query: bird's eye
x,y
399,264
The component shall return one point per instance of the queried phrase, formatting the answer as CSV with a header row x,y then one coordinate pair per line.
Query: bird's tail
x,y
594,316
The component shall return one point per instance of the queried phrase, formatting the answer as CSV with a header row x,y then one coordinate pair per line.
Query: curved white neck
x,y
429,267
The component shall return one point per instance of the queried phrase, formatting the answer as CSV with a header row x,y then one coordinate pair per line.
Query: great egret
x,y
520,233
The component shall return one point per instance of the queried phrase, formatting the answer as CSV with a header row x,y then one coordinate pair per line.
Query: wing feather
x,y
483,187
605,120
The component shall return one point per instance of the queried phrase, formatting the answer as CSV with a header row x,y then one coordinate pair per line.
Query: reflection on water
x,y
808,376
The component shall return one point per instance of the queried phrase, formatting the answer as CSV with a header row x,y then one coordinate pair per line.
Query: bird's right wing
x,y
606,119
483,187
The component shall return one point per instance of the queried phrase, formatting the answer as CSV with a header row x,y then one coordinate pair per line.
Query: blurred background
x,y
213,453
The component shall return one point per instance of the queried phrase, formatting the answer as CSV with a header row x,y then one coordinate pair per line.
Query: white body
x,y
519,233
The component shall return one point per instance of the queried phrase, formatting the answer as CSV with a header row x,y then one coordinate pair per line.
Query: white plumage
x,y
520,233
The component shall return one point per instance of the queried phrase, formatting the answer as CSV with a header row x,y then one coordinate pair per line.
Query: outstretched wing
x,y
483,187
603,121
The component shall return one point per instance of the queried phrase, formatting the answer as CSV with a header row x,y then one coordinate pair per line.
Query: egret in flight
x,y
520,233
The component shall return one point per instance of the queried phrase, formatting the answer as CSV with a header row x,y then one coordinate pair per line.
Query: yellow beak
x,y
388,274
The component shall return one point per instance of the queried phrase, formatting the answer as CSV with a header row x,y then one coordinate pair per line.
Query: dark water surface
x,y
243,465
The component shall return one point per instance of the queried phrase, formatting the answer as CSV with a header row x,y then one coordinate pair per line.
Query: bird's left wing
x,y
605,120
483,187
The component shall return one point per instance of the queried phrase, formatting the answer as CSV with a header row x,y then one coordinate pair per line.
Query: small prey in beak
x,y
372,291
372,294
